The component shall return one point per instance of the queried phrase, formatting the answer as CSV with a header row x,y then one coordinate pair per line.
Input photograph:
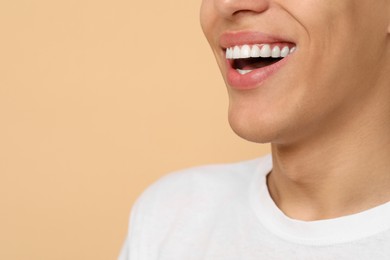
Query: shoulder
x,y
207,176
184,201
211,182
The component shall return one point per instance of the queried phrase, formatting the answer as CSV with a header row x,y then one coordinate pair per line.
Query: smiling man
x,y
312,78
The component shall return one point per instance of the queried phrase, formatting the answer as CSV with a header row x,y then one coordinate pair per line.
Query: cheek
x,y
326,54
210,21
206,16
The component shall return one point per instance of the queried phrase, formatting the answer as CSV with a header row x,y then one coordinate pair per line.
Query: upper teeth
x,y
255,51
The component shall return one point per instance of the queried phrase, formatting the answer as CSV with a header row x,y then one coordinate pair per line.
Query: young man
x,y
313,79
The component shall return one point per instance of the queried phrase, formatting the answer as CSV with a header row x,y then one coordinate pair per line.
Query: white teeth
x,y
258,50
229,53
255,52
285,51
236,52
265,51
245,51
243,72
275,52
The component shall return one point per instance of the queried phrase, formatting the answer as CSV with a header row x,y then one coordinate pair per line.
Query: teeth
x,y
245,52
265,51
243,72
229,53
275,52
255,51
236,52
285,51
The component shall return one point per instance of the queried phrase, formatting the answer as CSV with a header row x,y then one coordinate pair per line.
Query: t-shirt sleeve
x,y
145,214
177,198
129,249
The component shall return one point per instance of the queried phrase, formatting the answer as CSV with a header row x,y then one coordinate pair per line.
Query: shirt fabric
x,y
225,212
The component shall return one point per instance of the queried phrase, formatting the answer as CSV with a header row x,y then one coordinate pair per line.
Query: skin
x,y
326,112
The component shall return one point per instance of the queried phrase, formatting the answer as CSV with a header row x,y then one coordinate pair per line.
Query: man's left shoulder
x,y
227,176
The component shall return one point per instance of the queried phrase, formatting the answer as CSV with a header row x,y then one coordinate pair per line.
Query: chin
x,y
257,130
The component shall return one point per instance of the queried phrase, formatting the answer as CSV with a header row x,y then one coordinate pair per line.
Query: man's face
x,y
336,52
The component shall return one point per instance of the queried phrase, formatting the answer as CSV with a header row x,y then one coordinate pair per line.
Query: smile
x,y
247,58
252,57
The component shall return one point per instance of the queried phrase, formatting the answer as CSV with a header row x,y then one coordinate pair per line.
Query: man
x,y
313,79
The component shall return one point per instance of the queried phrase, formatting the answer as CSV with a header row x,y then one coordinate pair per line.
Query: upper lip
x,y
237,38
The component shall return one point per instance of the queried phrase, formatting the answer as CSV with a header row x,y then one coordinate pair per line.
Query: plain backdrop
x,y
98,99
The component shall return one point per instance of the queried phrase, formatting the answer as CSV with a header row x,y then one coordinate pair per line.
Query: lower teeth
x,y
243,72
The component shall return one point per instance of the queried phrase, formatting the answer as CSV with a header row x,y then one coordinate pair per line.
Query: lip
x,y
253,79
229,39
257,77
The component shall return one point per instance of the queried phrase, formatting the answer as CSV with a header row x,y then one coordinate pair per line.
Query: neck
x,y
340,171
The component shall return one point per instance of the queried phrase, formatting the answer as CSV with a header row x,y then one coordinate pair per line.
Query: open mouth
x,y
246,58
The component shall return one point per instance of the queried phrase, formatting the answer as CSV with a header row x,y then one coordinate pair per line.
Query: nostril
x,y
234,8
242,12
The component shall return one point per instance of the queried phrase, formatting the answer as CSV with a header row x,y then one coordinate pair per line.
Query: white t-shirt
x,y
224,212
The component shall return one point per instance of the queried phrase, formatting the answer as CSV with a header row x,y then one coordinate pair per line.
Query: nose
x,y
232,8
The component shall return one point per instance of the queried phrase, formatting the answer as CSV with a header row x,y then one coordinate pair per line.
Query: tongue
x,y
254,63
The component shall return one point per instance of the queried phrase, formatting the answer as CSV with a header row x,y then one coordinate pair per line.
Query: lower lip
x,y
253,79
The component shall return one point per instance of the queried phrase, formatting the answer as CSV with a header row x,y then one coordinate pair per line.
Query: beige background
x,y
97,100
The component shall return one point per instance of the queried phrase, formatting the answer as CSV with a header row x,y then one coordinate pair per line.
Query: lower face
x,y
328,61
